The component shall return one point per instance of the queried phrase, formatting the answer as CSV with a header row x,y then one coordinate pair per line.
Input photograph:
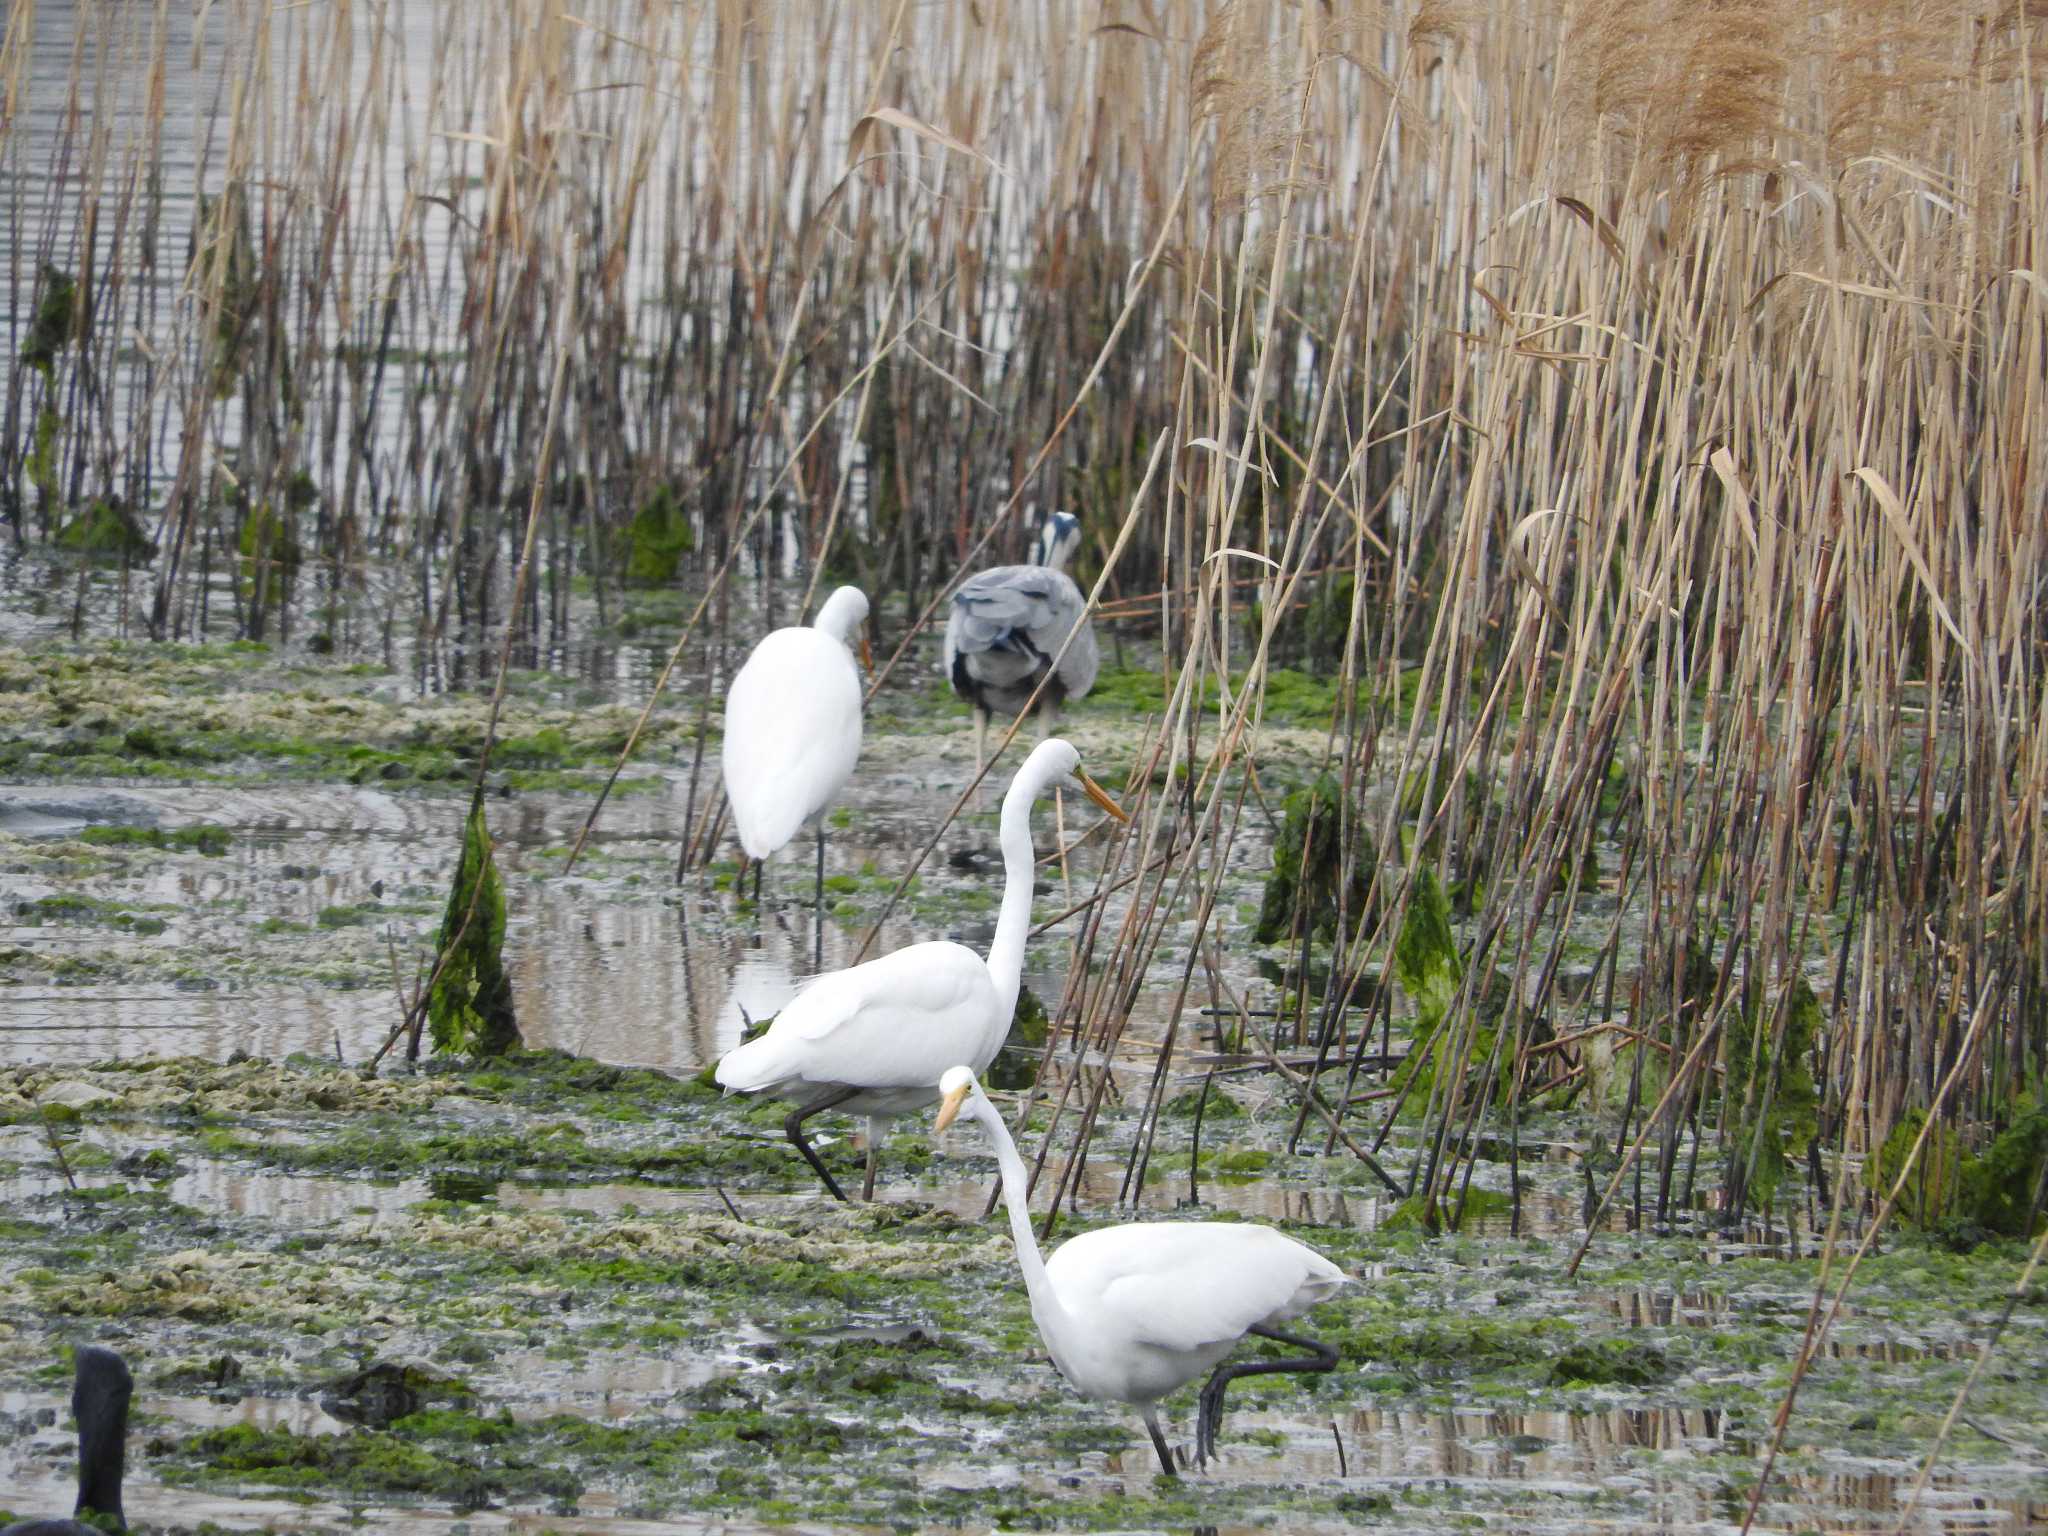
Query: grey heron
x,y
1009,622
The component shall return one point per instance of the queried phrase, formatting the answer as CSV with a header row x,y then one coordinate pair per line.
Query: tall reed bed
x,y
1636,409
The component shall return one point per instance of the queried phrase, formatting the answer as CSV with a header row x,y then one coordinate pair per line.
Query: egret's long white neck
x,y
1013,923
1045,1302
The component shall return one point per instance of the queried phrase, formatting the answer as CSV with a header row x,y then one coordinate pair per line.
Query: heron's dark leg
x,y
980,744
793,1128
818,904
1209,1414
867,1188
1151,1416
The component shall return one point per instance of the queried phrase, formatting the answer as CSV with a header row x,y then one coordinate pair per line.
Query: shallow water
x,y
619,963
628,969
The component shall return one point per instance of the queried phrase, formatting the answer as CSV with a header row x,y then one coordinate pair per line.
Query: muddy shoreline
x,y
630,1309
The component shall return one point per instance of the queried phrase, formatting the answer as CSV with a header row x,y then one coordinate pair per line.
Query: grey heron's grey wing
x,y
1004,608
1083,660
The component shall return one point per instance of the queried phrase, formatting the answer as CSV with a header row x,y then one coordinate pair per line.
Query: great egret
x,y
874,1039
1132,1313
99,1401
1007,625
792,732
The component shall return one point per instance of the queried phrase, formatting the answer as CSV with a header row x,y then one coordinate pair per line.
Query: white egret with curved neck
x,y
875,1039
99,1402
792,732
1132,1313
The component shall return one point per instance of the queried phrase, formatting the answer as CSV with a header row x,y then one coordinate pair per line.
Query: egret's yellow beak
x,y
1100,796
949,1107
867,652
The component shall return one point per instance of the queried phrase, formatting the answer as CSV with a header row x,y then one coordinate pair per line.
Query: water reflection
x,y
613,962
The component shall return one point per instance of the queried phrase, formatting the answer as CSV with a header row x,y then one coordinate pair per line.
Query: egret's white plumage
x,y
874,1039
1130,1314
792,725
1008,623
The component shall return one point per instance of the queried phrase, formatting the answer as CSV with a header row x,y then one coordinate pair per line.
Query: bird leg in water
x,y
818,903
1209,1412
1151,1415
793,1128
867,1188
980,749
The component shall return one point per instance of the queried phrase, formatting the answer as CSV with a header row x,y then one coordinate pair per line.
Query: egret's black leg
x,y
793,1128
1159,1440
980,754
818,905
867,1188
1209,1413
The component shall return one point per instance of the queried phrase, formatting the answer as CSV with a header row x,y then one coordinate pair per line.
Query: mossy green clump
x,y
1221,1106
271,550
657,539
1016,1064
2002,1187
211,841
365,1462
1244,1161
469,1005
106,526
86,909
1308,867
1966,1196
1451,1214
56,321
1772,1094
1429,968
1611,1362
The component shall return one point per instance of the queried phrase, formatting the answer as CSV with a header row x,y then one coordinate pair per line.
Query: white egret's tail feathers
x,y
751,1067
765,822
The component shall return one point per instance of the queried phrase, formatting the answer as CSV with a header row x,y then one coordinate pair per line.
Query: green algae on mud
x,y
879,1364
237,712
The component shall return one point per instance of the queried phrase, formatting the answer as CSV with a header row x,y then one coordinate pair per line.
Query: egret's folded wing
x,y
1182,1285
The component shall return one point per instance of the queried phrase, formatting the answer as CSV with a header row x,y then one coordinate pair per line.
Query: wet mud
x,y
644,1315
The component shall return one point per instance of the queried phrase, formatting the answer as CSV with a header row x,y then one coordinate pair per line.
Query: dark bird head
x,y
99,1401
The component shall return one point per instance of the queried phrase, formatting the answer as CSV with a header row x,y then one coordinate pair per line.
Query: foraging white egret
x,y
1007,625
792,731
1132,1313
99,1401
874,1039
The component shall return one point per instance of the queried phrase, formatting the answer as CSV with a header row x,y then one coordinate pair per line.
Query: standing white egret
x,y
792,732
1007,625
874,1039
99,1401
1132,1313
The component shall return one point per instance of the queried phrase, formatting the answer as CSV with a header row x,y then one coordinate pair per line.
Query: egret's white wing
x,y
792,734
896,1022
1182,1285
